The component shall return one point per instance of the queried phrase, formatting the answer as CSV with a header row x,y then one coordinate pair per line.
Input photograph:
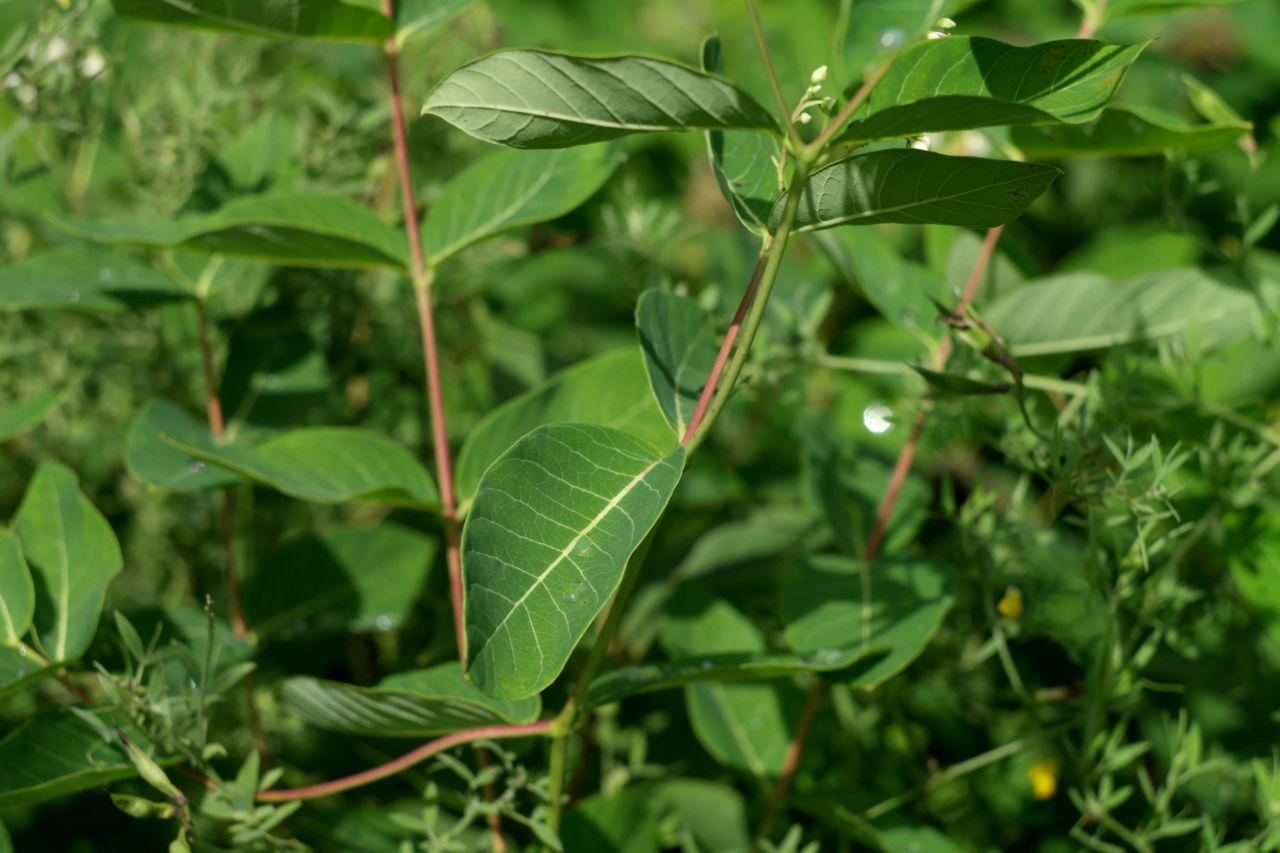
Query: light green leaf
x,y
153,459
17,592
420,703
298,228
19,23
91,279
679,344
917,187
545,544
619,822
823,606
17,418
747,727
18,669
511,188
712,816
537,99
1083,311
327,465
1125,131
743,163
608,389
348,578
966,82
73,555
419,18
1117,8
327,20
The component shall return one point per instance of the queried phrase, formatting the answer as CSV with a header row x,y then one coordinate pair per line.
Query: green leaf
x,y
545,544
747,727
419,18
19,24
619,822
536,99
357,579
91,279
55,753
152,458
306,229
680,346
823,606
1117,8
327,20
711,816
1125,131
917,187
966,82
274,374
743,163
73,555
17,592
17,418
953,384
1082,311
510,189
327,465
419,703
608,389
878,27
18,669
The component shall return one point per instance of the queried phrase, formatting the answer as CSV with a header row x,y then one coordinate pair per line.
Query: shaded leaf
x,y
907,598
348,578
419,18
17,592
1125,131
152,458
15,419
274,374
608,389
881,26
679,344
73,555
287,227
512,188
747,727
57,752
92,279
420,703
619,822
545,544
18,669
711,816
19,24
848,487
956,385
537,99
917,187
328,20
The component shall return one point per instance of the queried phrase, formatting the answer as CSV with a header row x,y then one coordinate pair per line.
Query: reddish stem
x,y
404,762
792,761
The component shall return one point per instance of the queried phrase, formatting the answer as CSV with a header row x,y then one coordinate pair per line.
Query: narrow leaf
x,y
545,544
679,345
1125,131
328,20
151,457
15,419
536,99
17,592
73,555
956,385
509,189
917,187
420,703
92,279
295,227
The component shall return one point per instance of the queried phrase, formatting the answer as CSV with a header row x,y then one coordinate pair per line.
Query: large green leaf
x,y
510,189
620,823
300,228
152,458
55,753
828,603
1125,131
679,344
348,578
419,703
966,82
711,816
328,20
327,465
17,592
545,544
537,99
73,555
1083,311
92,279
15,419
18,669
419,18
742,162
918,187
609,389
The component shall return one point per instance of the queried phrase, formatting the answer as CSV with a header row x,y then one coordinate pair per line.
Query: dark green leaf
x,y
18,669
358,579
17,593
152,458
55,753
619,823
917,187
509,189
328,20
956,385
545,544
420,703
943,113
747,727
680,346
73,555
15,419
712,816
1125,131
877,27
92,279
536,99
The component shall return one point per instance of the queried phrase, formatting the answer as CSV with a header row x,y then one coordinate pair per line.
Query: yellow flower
x,y
1010,606
1043,775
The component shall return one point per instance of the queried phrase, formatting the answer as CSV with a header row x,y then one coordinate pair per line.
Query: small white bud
x,y
12,81
56,50
819,75
93,64
805,118
935,35
945,24
921,143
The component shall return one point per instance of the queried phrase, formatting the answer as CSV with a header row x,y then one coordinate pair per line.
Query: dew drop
x,y
195,466
74,296
877,418
892,37
383,622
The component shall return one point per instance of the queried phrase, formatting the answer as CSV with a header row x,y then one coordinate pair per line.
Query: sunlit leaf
x,y
17,593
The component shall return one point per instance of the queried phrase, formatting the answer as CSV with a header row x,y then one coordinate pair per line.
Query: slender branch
x,y
404,762
1092,20
767,56
792,761
834,126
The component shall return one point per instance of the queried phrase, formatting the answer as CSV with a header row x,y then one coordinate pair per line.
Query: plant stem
x,y
774,84
833,127
1092,19
409,759
555,787
812,702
